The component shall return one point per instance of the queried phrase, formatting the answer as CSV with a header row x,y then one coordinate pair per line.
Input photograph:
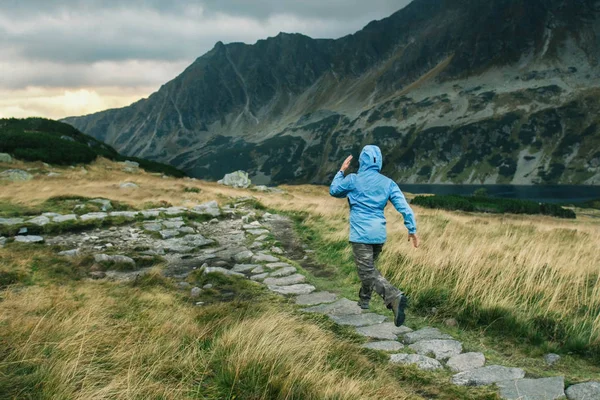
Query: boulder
x,y
195,292
211,208
315,298
5,158
422,362
238,179
425,334
441,349
384,331
16,175
551,358
293,289
39,221
584,391
533,389
29,239
386,345
466,362
487,375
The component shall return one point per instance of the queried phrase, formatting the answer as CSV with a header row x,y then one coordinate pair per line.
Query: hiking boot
x,y
364,304
398,306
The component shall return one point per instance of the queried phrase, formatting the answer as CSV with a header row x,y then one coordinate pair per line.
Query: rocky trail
x,y
237,240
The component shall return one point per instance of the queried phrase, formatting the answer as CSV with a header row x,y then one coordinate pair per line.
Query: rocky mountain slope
x,y
454,91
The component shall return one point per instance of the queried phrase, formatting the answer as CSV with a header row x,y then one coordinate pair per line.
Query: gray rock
x,y
5,158
207,286
257,245
261,238
258,232
261,257
384,331
173,224
281,272
195,292
340,307
223,271
97,275
551,358
358,319
315,298
238,179
293,289
451,322
2,241
286,281
69,253
93,216
422,362
441,349
151,213
244,267
169,233
259,277
213,221
153,226
487,375
22,231
276,265
124,214
128,185
466,362
187,230
65,218
276,250
533,389
114,259
11,221
29,239
425,334
253,225
39,221
174,211
211,208
242,256
131,164
106,204
16,175
584,391
386,345
197,240
51,214
258,270
183,285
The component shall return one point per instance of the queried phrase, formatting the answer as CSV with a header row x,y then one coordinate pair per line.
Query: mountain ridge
x,y
431,64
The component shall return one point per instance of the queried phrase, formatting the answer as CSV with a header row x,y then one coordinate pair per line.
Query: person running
x,y
368,193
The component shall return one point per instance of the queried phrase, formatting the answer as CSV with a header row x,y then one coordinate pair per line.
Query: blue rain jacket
x,y
368,193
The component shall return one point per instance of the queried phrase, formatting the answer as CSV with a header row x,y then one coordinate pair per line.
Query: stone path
x,y
236,243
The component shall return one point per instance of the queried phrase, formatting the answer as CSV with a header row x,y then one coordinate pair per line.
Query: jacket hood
x,y
370,159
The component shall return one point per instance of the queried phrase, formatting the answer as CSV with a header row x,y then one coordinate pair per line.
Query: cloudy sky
x,y
71,57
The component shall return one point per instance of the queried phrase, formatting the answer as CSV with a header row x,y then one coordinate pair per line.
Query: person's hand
x,y
414,238
346,164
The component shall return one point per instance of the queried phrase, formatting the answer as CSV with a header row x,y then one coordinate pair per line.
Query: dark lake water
x,y
542,193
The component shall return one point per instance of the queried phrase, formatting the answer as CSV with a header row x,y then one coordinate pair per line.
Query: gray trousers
x,y
365,256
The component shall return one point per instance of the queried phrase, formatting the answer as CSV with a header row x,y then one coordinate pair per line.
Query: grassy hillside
x,y
519,286
53,142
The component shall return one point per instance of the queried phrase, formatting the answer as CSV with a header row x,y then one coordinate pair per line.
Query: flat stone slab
x,y
124,214
243,256
293,289
151,213
533,389
425,334
384,331
29,239
261,257
169,233
422,362
116,259
466,362
211,208
285,271
259,277
93,216
275,265
286,281
386,345
340,307
358,320
64,218
173,224
315,298
441,349
244,267
487,375
258,232
584,391
39,221
11,221
223,271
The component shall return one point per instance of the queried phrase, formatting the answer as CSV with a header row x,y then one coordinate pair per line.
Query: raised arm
x,y
400,203
341,185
